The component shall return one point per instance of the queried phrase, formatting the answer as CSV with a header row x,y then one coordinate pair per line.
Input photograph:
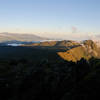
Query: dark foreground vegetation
x,y
46,76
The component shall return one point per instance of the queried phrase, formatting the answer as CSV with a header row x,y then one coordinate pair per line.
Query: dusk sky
x,y
50,17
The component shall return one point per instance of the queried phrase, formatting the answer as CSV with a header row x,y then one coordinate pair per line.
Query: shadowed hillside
x,y
50,72
49,80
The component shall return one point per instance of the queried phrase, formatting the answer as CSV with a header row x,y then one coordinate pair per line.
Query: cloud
x,y
94,36
74,29
17,29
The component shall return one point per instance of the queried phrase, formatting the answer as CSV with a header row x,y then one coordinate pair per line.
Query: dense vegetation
x,y
40,73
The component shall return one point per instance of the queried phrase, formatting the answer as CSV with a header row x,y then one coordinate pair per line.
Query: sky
x,y
51,18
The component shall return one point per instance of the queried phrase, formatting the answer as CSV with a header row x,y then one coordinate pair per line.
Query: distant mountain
x,y
20,37
16,43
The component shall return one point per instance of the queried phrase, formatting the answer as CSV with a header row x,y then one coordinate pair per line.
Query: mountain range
x,y
19,37
5,36
74,51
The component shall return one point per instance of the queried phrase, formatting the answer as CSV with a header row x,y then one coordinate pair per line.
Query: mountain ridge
x,y
20,37
74,50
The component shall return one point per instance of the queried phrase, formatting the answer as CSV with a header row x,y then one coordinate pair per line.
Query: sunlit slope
x,y
87,50
74,54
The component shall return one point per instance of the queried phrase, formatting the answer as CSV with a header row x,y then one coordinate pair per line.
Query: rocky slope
x,y
86,50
